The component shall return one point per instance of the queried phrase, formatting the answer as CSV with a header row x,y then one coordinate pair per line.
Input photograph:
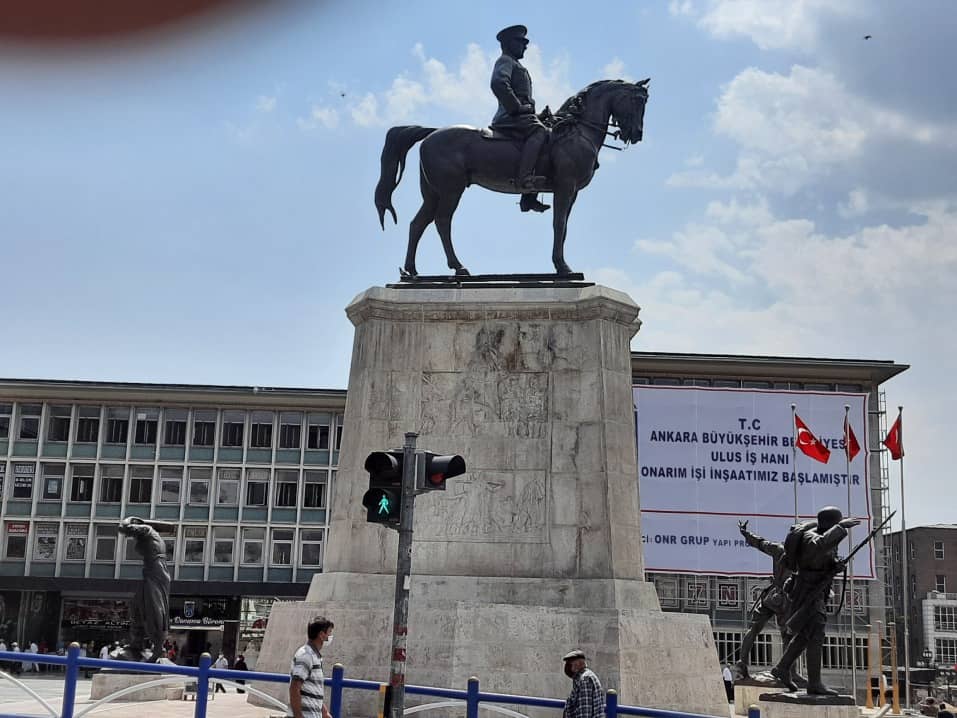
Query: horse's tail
x,y
398,142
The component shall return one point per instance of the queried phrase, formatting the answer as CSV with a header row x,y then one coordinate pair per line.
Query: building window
x,y
147,421
117,425
53,481
338,432
310,548
171,484
111,484
939,550
6,411
104,539
257,486
940,583
260,430
253,539
23,475
224,538
945,618
281,547
287,485
946,651
194,544
75,542
174,427
130,554
29,422
199,486
837,655
170,543
44,548
3,475
317,432
727,643
88,424
58,423
204,427
314,490
15,544
81,482
227,487
233,428
290,429
141,484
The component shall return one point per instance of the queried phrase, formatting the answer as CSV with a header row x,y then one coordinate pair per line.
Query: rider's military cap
x,y
512,32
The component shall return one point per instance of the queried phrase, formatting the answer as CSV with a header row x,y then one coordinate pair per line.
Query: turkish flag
x,y
809,444
894,441
851,447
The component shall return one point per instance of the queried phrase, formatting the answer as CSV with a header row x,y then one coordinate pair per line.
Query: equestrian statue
x,y
521,153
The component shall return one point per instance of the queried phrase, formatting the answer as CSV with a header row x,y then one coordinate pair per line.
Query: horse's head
x,y
628,110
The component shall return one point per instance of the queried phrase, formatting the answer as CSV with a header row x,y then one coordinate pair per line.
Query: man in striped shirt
x,y
306,689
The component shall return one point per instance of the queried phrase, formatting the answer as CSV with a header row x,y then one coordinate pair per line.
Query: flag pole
x,y
850,540
794,459
905,549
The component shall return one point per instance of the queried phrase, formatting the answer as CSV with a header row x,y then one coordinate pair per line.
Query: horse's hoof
x,y
562,269
462,272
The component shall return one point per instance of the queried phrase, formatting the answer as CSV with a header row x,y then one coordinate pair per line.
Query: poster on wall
x,y
708,458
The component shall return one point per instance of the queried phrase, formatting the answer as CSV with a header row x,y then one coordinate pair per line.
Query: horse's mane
x,y
574,104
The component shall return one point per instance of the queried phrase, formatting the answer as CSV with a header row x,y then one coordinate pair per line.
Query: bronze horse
x,y
452,158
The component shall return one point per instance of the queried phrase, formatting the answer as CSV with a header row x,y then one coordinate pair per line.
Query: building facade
x,y
932,584
728,599
246,474
243,474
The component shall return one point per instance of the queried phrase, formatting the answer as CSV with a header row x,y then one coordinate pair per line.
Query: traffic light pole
x,y
403,571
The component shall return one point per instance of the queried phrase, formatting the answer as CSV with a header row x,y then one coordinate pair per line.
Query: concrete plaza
x,y
14,701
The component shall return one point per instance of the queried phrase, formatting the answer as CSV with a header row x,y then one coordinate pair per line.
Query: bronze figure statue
x,y
771,603
811,553
149,610
510,158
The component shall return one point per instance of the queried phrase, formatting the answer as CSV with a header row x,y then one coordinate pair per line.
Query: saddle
x,y
543,165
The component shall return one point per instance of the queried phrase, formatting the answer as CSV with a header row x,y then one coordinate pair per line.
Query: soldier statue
x,y
811,553
770,603
149,610
515,117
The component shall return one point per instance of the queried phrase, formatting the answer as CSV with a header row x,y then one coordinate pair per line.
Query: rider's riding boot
x,y
530,203
814,684
527,179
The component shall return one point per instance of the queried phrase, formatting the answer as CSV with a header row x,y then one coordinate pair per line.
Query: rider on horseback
x,y
516,116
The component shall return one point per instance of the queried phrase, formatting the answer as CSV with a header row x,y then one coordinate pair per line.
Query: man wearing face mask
x,y
587,699
306,693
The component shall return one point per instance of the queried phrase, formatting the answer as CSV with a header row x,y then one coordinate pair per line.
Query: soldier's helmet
x,y
827,517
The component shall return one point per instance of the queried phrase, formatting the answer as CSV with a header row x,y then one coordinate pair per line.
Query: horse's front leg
x,y
443,223
564,196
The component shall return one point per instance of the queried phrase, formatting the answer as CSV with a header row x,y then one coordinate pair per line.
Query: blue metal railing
x,y
473,697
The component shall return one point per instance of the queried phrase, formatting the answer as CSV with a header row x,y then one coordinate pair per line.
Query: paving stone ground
x,y
50,688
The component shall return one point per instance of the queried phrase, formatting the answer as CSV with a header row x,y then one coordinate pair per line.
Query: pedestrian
x,y
33,665
305,687
728,682
587,699
3,664
240,665
17,666
222,664
84,654
105,652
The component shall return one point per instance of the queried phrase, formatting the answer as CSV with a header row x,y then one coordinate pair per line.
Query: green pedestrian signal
x,y
383,500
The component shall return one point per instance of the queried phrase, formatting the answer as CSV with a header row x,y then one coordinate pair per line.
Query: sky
x,y
195,203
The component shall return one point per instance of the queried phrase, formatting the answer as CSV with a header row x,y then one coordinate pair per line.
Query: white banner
x,y
709,457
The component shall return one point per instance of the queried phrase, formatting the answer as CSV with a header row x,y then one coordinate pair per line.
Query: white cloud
x,y
857,204
615,70
772,24
319,116
681,7
460,94
265,103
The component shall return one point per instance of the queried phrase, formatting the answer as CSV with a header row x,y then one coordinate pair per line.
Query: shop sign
x,y
18,528
95,613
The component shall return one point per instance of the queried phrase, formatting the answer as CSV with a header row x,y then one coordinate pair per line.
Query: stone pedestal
x,y
107,682
746,695
801,705
537,549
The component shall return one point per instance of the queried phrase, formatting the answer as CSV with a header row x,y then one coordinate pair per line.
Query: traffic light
x,y
433,470
383,500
